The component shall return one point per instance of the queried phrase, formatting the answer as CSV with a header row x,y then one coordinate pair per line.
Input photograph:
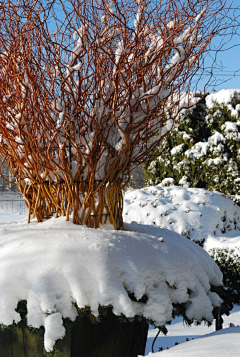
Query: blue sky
x,y
227,69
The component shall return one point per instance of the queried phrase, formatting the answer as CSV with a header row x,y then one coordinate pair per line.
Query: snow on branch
x,y
86,96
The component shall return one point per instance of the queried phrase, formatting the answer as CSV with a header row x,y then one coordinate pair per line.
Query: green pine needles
x,y
203,151
229,263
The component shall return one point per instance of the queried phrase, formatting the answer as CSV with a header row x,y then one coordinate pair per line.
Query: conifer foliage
x,y
204,150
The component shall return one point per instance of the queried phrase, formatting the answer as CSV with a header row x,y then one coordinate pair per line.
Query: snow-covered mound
x,y
223,96
196,213
220,343
56,264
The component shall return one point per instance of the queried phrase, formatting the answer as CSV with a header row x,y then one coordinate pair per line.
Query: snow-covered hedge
x,y
204,150
196,213
56,266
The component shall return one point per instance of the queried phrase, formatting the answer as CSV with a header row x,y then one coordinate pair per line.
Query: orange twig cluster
x,y
88,89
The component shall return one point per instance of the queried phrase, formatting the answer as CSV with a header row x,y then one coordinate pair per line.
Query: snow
x,y
200,15
220,343
223,96
200,149
56,264
168,181
216,138
183,181
41,298
177,149
230,126
196,213
178,332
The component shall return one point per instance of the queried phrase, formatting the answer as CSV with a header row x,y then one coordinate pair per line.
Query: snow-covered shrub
x,y
196,213
204,150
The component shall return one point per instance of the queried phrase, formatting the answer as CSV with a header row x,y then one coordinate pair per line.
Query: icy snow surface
x,y
194,212
56,264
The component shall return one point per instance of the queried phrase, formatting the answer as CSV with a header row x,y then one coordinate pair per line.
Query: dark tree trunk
x,y
108,338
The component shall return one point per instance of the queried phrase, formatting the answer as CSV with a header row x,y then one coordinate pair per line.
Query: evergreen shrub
x,y
229,262
202,151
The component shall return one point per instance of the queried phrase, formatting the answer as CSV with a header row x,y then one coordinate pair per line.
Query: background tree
x,y
88,89
204,150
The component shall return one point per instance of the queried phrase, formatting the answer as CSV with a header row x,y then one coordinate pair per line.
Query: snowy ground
x,y
179,332
224,343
